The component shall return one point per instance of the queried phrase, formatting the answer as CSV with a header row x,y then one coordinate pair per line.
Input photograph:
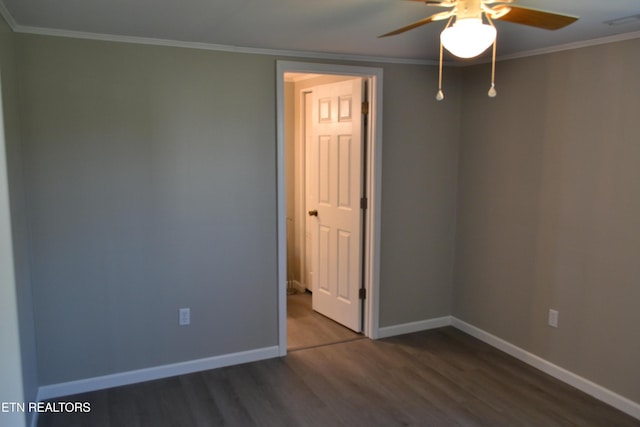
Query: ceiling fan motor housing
x,y
468,9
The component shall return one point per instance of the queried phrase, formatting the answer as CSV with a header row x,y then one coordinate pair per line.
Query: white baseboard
x,y
91,384
619,402
407,328
300,288
605,395
124,378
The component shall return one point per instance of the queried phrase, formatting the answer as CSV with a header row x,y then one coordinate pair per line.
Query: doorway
x,y
295,217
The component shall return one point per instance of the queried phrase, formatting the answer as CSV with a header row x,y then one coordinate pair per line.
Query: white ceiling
x,y
334,27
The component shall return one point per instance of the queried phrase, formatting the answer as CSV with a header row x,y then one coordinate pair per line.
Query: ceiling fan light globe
x,y
468,37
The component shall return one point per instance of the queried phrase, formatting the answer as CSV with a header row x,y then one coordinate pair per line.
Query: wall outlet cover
x,y
553,318
185,316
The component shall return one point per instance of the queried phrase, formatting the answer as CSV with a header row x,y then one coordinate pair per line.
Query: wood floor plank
x,y
441,377
200,401
229,402
122,406
301,400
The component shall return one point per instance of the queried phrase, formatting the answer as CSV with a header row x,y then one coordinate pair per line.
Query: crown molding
x,y
25,29
298,53
216,47
572,46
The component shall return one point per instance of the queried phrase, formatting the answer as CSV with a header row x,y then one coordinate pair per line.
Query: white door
x,y
334,165
310,198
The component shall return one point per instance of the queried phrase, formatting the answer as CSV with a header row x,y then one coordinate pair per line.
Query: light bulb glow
x,y
468,37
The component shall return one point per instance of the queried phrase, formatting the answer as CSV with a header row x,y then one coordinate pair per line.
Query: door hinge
x,y
362,294
363,203
365,107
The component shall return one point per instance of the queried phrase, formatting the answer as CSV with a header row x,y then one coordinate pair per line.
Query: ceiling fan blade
x,y
417,24
535,18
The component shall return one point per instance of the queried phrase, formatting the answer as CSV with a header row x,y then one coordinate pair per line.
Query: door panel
x,y
334,152
344,266
324,169
324,253
344,171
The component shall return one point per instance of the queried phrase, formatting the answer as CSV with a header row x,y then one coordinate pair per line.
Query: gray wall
x,y
151,184
18,240
420,152
150,175
549,209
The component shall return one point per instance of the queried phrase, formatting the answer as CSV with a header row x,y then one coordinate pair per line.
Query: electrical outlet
x,y
553,318
185,316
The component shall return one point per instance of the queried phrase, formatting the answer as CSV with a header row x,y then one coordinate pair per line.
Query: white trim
x,y
91,384
215,47
299,53
572,46
300,288
4,11
605,395
373,214
371,256
124,378
407,328
617,401
281,215
569,46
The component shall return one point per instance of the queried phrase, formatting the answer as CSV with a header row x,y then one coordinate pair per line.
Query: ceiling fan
x,y
468,36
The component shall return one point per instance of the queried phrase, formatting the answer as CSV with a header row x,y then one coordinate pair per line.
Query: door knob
x,y
313,213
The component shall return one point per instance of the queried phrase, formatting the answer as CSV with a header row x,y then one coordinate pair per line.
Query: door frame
x,y
373,177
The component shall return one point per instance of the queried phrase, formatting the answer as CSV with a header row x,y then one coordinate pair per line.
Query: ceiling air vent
x,y
622,21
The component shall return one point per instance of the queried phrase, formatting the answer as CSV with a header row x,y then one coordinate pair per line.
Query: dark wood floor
x,y
441,377
306,328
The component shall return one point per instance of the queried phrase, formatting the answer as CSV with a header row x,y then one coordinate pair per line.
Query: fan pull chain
x,y
492,90
440,94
